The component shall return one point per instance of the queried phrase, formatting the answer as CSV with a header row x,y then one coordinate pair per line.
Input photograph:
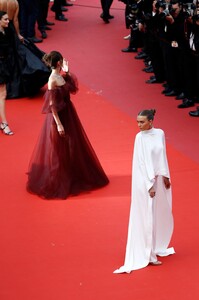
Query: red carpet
x,y
69,249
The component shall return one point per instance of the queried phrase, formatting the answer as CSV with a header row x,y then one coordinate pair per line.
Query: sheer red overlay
x,y
63,166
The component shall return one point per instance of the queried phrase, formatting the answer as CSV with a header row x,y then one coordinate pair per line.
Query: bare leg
x,y
2,103
4,125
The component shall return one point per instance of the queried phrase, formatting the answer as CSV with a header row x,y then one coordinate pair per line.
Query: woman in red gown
x,y
63,162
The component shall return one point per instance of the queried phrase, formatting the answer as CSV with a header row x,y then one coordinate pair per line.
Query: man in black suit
x,y
106,4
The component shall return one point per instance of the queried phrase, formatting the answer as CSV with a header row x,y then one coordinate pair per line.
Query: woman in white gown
x,y
151,221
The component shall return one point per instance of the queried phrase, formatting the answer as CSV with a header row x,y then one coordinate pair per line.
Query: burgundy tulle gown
x,y
63,166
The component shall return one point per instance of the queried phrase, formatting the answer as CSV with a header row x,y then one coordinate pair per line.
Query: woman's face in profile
x,y
144,123
4,21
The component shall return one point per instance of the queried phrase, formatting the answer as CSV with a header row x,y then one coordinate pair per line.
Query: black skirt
x,y
5,70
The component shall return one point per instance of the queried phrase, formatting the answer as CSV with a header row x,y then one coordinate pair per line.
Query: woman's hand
x,y
65,66
61,130
167,182
21,38
152,192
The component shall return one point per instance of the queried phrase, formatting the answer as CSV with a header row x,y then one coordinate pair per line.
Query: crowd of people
x,y
167,31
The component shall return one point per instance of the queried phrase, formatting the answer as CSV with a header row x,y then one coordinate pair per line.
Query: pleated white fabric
x,y
151,220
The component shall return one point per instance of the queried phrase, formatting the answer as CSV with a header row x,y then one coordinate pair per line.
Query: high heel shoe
x,y
5,129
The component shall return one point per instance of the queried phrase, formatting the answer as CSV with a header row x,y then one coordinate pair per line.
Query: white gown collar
x,y
150,131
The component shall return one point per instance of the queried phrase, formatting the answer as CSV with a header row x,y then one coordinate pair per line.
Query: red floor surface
x,y
69,249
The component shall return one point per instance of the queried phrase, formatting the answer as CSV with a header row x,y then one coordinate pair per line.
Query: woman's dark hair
x,y
2,13
51,59
149,113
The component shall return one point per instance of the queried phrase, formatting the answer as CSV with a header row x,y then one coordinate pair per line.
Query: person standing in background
x,y
105,15
12,9
5,70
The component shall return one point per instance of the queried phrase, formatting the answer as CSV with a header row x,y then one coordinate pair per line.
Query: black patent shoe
x,y
148,69
170,93
35,40
186,103
153,80
141,56
49,23
64,8
47,28
105,19
194,113
166,90
109,16
126,50
61,18
43,34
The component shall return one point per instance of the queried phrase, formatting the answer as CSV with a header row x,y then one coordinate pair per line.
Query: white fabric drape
x,y
151,221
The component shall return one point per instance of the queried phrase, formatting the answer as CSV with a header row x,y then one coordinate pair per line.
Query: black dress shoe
x,y
61,18
148,69
152,80
47,28
141,56
180,96
106,20
194,113
49,23
43,34
129,50
63,8
170,93
166,90
186,103
35,40
109,16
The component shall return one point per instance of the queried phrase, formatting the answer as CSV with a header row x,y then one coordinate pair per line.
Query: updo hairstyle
x,y
149,113
51,59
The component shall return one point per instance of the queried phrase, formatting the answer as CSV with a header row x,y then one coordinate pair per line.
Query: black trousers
x,y
191,74
174,67
28,13
153,48
106,4
43,13
57,7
